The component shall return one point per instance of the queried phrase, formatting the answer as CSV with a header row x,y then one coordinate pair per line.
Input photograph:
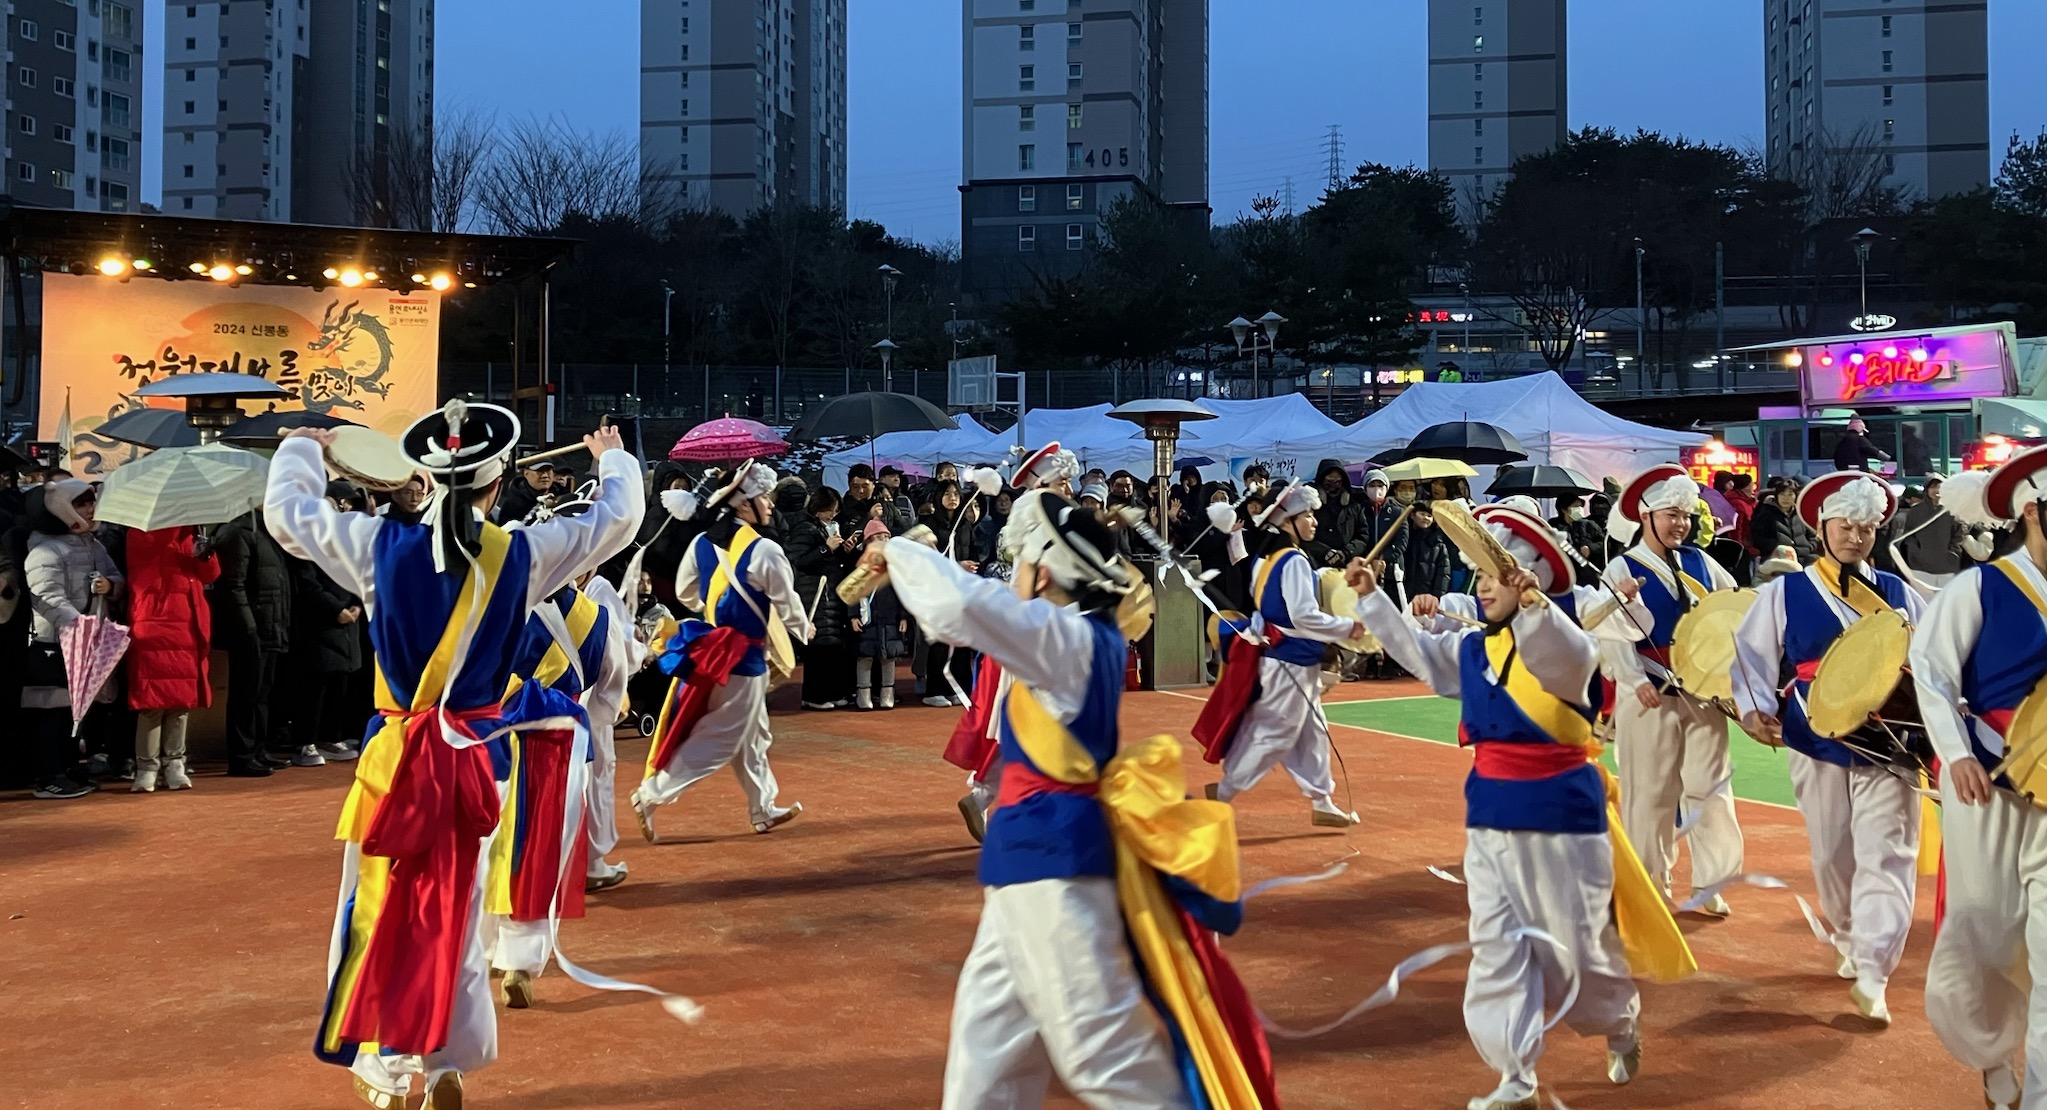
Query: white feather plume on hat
x,y
680,503
1222,515
1962,496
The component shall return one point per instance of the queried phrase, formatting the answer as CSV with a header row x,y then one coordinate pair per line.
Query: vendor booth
x,y
1925,396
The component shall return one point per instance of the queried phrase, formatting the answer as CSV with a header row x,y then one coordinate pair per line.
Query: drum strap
x,y
1866,602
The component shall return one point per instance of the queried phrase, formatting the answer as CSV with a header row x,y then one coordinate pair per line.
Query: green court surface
x,y
1759,772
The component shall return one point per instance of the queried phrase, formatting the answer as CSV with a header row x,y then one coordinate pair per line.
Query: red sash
x,y
1521,762
544,776
1235,689
712,657
971,748
443,802
1233,1005
1020,782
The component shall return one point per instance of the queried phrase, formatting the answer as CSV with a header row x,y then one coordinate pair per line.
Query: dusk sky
x,y
1281,71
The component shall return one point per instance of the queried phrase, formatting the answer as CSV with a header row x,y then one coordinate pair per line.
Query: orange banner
x,y
366,355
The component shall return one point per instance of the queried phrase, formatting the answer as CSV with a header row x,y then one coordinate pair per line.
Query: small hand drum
x,y
1859,678
1339,600
1702,649
781,650
370,459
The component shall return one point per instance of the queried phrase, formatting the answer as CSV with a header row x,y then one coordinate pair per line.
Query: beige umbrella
x,y
179,486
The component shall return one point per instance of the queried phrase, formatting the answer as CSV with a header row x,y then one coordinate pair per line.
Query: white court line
x,y
1440,743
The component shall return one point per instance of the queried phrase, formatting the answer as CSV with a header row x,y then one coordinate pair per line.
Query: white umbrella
x,y
180,486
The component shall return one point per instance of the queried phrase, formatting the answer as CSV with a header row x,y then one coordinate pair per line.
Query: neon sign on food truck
x,y
1904,370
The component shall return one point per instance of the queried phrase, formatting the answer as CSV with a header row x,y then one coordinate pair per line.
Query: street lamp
x,y
1329,391
1465,350
889,276
1641,306
1249,334
667,342
887,347
1863,240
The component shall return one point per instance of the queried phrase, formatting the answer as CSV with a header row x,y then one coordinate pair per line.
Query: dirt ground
x,y
168,949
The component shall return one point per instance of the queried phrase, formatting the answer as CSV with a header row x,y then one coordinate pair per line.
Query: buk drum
x,y
1863,694
1339,600
370,459
1702,647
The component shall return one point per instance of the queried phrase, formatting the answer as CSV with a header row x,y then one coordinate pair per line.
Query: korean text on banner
x,y
364,355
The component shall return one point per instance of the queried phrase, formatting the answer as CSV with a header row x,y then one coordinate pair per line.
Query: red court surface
x,y
167,950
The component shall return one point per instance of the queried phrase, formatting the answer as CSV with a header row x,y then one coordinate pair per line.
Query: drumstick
x,y
546,455
1460,618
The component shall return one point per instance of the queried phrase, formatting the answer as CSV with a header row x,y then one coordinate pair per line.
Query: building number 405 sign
x,y
1103,159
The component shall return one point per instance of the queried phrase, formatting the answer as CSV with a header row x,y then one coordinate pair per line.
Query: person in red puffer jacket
x,y
168,572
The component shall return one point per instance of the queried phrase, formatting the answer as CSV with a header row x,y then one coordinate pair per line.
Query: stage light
x,y
1856,358
197,267
245,269
144,264
419,279
113,266
1794,360
351,278
369,275
330,273
1919,354
441,283
1891,350
221,272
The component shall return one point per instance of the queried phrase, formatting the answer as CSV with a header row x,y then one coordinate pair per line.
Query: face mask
x,y
1574,513
1404,497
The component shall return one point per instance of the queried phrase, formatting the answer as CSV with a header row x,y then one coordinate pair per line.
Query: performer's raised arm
x,y
1037,641
566,547
306,524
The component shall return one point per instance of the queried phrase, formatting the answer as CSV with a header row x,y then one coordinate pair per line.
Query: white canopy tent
x,y
1556,425
1242,429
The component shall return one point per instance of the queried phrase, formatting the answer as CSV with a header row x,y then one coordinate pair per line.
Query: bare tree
x,y
426,180
539,172
1844,175
464,140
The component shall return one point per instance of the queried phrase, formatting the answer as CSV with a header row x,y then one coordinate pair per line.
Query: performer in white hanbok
x,y
975,745
1541,853
605,700
408,988
1862,819
1979,656
1087,964
717,709
1672,748
1613,611
1279,721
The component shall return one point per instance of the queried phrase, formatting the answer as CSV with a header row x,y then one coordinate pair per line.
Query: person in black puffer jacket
x,y
821,557
252,621
326,650
1430,558
1775,523
1342,530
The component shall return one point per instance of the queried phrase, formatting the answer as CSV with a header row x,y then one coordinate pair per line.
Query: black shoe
x,y
250,771
62,788
275,761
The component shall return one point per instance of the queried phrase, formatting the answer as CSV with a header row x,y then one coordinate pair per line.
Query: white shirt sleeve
x,y
1235,549
689,580
1048,648
1759,652
563,548
1431,656
769,571
1940,646
1297,587
1461,605
307,526
1561,656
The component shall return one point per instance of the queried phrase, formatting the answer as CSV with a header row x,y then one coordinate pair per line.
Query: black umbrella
x,y
266,429
1389,456
866,415
152,428
1468,441
1541,482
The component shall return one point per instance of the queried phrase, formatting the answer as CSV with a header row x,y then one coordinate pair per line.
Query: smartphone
x,y
831,528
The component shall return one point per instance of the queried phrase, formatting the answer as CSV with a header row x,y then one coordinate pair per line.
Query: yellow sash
x,y
1866,602
1157,829
374,772
1649,933
720,581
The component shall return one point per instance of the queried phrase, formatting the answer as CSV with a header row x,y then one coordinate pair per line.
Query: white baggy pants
x,y
733,730
600,798
1863,823
473,1022
1671,760
1986,985
1562,884
1051,988
1287,727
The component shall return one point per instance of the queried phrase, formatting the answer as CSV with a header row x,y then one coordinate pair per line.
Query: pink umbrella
x,y
1724,516
729,438
92,646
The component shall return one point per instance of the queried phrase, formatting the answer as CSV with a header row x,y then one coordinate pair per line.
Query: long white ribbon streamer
x,y
1817,923
1422,961
1284,881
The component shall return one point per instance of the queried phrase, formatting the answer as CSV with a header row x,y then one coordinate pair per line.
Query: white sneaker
x,y
1622,1065
1715,906
645,812
1504,1099
864,699
174,776
2000,1089
1844,965
337,753
819,705
309,756
888,698
777,816
1869,1002
959,701
936,702
145,783
604,876
1325,815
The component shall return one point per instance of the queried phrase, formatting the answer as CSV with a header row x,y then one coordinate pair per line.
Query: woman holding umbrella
x,y
66,572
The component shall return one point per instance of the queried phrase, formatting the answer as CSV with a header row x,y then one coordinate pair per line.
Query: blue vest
x,y
1062,835
2009,658
732,610
1811,626
415,604
1571,802
1663,605
1299,651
